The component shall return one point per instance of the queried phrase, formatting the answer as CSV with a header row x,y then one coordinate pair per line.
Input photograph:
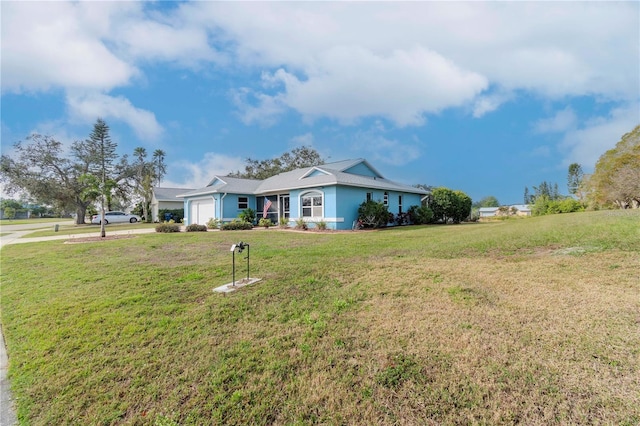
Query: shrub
x,y
168,227
402,219
374,214
213,223
265,222
449,205
284,221
248,215
236,225
570,205
301,224
321,225
194,227
420,215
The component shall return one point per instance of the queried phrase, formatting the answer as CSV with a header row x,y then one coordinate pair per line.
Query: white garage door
x,y
201,211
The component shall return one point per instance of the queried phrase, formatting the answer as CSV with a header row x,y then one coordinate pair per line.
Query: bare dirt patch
x,y
81,240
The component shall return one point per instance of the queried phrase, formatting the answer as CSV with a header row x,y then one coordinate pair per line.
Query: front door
x,y
284,206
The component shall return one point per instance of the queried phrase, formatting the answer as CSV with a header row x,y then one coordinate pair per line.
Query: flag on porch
x,y
267,204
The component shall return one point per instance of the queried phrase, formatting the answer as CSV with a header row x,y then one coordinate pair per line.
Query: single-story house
x,y
521,209
330,193
488,211
512,210
166,199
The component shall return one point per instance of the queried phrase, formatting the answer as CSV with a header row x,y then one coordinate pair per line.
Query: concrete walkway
x,y
14,234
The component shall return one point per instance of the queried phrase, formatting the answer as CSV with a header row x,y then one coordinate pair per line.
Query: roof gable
x,y
315,171
216,181
363,168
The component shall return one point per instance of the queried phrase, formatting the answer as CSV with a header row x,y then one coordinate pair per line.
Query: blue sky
x,y
485,97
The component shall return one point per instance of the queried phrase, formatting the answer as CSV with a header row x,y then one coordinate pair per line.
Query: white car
x,y
115,217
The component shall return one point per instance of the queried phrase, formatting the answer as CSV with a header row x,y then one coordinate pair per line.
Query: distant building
x,y
488,211
512,210
166,199
521,209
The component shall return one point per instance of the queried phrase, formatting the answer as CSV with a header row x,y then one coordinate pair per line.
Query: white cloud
x,y
585,145
404,60
91,105
199,174
401,86
306,139
485,104
257,108
50,44
380,148
562,121
344,61
143,39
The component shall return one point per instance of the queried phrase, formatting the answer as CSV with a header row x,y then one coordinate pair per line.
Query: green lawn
x,y
526,321
88,228
32,221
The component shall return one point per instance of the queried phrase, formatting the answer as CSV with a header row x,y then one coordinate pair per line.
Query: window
x,y
369,196
386,199
243,203
312,204
399,204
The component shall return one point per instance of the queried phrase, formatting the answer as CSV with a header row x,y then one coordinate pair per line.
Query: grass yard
x,y
36,221
88,229
528,321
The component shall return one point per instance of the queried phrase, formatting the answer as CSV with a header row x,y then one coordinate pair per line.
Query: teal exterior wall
x,y
340,204
226,206
330,216
349,199
230,205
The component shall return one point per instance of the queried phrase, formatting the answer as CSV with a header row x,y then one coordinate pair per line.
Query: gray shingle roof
x,y
169,194
222,184
300,178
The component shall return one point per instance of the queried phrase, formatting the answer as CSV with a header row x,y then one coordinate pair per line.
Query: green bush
x,y
264,222
213,223
168,227
449,205
321,225
301,224
194,227
544,205
373,214
420,215
236,225
284,221
248,215
570,205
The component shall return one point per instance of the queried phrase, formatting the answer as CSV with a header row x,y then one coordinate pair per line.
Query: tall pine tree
x,y
103,149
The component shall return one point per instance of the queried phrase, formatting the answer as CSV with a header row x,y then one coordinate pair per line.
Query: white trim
x,y
362,160
221,205
313,169
318,219
218,178
245,202
305,194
